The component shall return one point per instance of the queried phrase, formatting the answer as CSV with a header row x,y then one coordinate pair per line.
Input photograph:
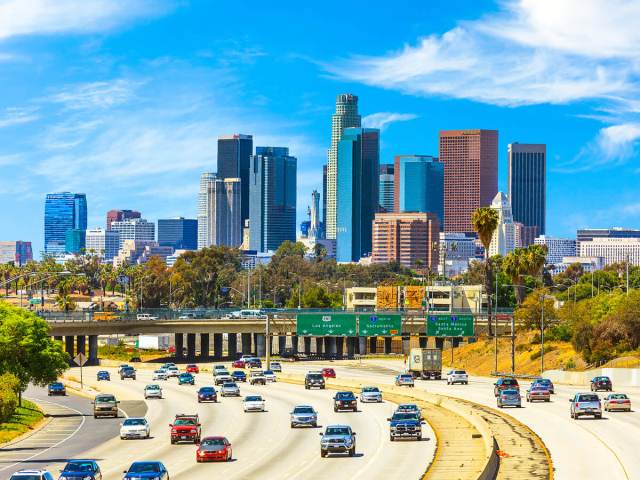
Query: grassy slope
x,y
24,419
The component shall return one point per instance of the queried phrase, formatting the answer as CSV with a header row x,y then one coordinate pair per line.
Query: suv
x,y
304,415
345,401
585,404
338,439
32,475
256,377
509,397
105,405
404,424
314,379
275,366
457,376
601,383
81,469
505,384
221,376
186,427
404,379
128,372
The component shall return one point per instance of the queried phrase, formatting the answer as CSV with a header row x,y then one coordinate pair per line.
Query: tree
x,y
27,349
485,222
516,265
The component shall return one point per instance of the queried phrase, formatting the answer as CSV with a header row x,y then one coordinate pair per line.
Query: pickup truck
x,y
585,404
403,425
105,405
186,428
345,401
145,316
257,378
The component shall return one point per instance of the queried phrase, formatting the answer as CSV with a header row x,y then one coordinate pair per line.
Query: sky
x,y
124,99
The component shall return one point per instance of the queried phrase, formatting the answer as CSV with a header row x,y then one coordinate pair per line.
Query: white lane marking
x,y
56,444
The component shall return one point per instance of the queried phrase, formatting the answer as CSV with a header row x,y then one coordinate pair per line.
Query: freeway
x,y
264,445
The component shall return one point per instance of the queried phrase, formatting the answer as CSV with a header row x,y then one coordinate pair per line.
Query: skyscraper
x,y
203,209
527,167
470,160
386,187
16,252
62,211
134,229
75,241
234,153
180,233
357,191
119,215
104,243
346,116
314,216
219,220
503,240
272,218
419,185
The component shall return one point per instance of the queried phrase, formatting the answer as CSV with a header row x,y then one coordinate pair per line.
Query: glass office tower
x,y
62,211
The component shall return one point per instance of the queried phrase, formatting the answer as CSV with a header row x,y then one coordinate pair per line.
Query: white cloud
x,y
105,94
17,116
42,17
382,119
617,141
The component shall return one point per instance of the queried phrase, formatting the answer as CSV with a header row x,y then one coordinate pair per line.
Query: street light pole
x,y
542,338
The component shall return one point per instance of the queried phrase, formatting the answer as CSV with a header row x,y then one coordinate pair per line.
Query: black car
x,y
207,394
56,388
128,372
601,383
345,401
505,384
239,376
314,380
135,359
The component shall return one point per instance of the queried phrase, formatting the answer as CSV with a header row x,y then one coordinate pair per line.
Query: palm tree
x,y
516,265
536,259
485,222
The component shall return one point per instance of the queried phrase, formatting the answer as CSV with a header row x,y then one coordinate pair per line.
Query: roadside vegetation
x,y
22,420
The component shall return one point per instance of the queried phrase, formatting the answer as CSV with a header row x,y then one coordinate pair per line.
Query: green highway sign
x,y
335,324
450,325
379,325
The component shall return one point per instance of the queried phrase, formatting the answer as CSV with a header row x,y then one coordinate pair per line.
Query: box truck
x,y
425,363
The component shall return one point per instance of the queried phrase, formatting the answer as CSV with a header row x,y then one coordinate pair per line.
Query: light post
x,y
513,332
235,290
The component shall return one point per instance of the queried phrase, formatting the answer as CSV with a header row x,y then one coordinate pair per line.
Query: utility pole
x,y
495,325
542,338
627,266
513,344
268,342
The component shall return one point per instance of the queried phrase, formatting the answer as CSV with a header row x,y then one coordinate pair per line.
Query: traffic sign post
x,y
80,359
450,325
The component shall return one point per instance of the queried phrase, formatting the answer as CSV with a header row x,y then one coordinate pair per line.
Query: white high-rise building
x,y
222,224
612,250
203,209
504,238
134,229
346,116
557,248
103,242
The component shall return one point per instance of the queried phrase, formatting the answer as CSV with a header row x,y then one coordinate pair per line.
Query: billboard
x,y
387,298
384,325
334,324
414,297
450,325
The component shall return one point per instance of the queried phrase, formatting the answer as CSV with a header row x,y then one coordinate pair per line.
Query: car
x,y
32,475
167,365
121,367
370,394
152,470
275,366
253,403
81,470
328,373
509,398
56,388
345,401
270,376
538,392
186,379
207,394
105,405
585,404
192,368
253,363
405,425
240,363
505,383
230,389
545,382
314,380
404,379
172,371
303,415
186,428
187,316
135,427
338,439
152,391
160,374
601,383
239,376
128,372
222,377
214,448
135,359
103,375
457,376
256,377
218,368
409,408
617,401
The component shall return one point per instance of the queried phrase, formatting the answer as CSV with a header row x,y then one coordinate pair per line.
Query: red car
x,y
193,368
214,448
328,373
185,428
238,364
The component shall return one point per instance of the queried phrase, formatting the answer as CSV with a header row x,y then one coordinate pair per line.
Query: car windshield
x,y
79,467
57,385
406,376
103,372
509,381
153,387
543,381
208,442
328,370
268,372
337,431
185,375
184,421
408,406
134,421
25,477
229,385
253,398
539,388
303,410
460,372
588,398
404,416
314,376
602,379
344,395
238,373
207,390
162,370
144,468
370,390
191,366
617,396
106,398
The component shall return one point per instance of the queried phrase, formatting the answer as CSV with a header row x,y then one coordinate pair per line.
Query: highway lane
x,y
264,445
585,448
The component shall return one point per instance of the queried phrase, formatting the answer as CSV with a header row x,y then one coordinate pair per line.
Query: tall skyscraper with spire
x,y
346,116
314,215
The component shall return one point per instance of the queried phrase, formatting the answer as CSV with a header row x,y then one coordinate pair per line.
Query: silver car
x,y
303,415
585,404
230,389
160,374
370,394
509,398
152,391
338,439
404,379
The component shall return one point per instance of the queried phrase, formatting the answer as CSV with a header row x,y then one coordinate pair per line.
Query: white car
x,y
457,376
275,366
173,371
253,403
370,394
230,389
270,376
152,391
222,376
218,368
135,427
160,374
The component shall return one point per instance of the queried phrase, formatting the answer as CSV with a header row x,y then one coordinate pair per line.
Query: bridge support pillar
x,y
81,344
319,344
307,345
340,346
294,343
373,344
191,346
204,346
261,344
406,343
282,343
68,346
351,346
330,345
423,341
93,350
178,340
246,343
387,344
439,343
232,345
217,346
58,339
362,345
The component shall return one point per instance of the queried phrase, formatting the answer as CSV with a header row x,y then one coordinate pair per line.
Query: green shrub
x,y
9,385
561,333
570,365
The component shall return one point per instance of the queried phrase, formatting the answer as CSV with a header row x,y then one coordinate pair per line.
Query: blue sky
x,y
124,100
